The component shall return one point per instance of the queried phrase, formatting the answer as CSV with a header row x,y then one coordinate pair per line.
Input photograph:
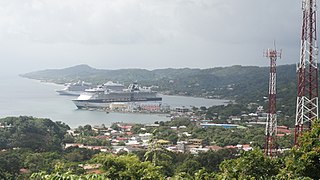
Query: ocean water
x,y
26,97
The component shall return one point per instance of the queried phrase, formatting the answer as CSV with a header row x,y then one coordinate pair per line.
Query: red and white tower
x,y
307,98
271,125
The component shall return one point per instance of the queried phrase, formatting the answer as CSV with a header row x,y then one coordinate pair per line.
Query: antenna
x,y
307,71
271,124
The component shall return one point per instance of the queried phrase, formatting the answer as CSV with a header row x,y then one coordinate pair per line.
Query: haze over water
x,y
26,97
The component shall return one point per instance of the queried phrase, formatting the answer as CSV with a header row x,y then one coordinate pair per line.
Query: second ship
x,y
102,96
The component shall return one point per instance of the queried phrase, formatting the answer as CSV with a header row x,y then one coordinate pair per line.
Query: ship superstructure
x,y
75,89
102,96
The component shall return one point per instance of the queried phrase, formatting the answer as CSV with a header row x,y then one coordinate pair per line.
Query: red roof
x,y
285,131
280,135
214,147
122,138
283,127
24,170
126,127
103,137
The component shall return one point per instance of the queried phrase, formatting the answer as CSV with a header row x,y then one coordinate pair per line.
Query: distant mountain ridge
x,y
84,71
210,79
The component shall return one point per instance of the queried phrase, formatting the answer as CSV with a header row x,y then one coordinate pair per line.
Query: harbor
x,y
39,99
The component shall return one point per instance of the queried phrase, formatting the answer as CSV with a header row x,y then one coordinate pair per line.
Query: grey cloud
x,y
83,21
147,21
147,33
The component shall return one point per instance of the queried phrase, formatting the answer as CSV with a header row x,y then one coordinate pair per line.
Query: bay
x,y
26,97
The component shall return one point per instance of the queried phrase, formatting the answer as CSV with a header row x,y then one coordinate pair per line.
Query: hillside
x,y
85,72
242,83
36,134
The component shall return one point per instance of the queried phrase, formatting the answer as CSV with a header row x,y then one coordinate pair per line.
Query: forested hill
x,y
242,83
85,72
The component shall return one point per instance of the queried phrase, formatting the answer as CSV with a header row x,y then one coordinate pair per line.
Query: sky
x,y
148,34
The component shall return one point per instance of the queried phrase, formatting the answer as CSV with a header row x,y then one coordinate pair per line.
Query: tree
x,y
10,164
36,162
88,131
158,155
113,167
68,167
202,174
75,154
179,122
304,161
250,165
211,160
115,126
128,167
92,141
189,166
68,138
66,176
136,128
37,134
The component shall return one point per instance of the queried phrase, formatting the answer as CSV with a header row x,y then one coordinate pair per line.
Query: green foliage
x,y
211,160
113,167
68,167
226,111
156,162
92,141
158,155
37,134
86,130
202,163
66,176
68,139
121,143
301,162
10,163
251,165
115,127
286,141
75,154
231,136
36,162
304,161
128,167
136,129
201,174
164,133
178,122
189,166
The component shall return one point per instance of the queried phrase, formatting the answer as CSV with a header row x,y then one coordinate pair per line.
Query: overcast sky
x,y
150,34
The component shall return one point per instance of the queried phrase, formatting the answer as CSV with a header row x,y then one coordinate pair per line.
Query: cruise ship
x,y
74,89
102,96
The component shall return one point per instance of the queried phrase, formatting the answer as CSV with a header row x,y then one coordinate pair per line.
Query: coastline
x,y
62,82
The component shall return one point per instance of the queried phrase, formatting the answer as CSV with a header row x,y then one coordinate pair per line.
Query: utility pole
x,y
307,71
271,124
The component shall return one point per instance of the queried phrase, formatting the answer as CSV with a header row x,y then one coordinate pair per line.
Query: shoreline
x,y
226,101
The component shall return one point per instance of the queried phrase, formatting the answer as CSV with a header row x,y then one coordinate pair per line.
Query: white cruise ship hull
x,y
88,105
101,104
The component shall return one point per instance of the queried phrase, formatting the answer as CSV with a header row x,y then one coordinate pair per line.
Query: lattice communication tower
x,y
307,71
271,124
